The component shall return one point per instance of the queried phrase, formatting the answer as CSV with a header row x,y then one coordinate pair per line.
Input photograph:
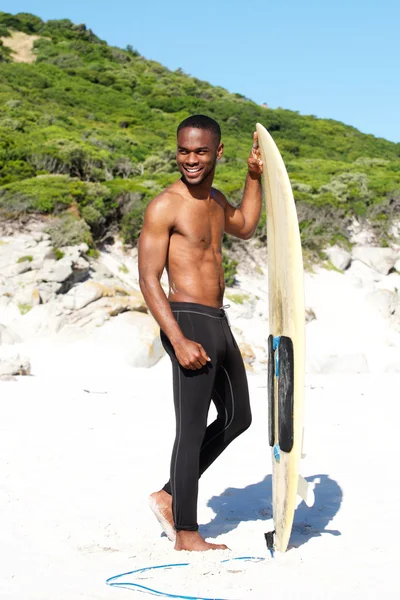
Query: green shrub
x,y
25,258
69,231
229,265
24,308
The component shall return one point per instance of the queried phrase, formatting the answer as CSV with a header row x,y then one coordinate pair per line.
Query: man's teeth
x,y
192,170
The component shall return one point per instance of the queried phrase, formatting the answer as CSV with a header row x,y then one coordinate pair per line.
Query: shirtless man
x,y
182,231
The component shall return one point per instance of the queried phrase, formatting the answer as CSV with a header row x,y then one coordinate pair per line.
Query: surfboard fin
x,y
305,491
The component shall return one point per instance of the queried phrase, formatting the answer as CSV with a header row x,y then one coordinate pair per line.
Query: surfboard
x,y
286,341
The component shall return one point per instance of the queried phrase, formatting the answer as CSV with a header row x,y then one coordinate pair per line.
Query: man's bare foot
x,y
161,505
192,540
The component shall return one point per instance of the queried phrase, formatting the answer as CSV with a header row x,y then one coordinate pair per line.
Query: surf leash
x,y
113,581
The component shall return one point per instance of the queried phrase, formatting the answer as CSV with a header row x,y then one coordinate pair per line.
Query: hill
x,y
87,133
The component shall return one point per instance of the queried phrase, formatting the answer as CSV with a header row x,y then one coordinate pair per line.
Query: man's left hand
x,y
254,162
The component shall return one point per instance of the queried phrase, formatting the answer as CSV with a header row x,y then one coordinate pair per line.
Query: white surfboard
x,y
286,341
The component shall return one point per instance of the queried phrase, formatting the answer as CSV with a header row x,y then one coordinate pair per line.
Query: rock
x,y
133,337
44,319
27,278
106,307
37,264
48,291
81,264
117,299
27,295
55,270
7,336
361,234
362,275
35,297
339,257
82,295
397,265
17,269
248,355
14,366
310,315
381,260
43,247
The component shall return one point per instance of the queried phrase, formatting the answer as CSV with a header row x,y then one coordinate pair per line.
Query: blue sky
x,y
337,60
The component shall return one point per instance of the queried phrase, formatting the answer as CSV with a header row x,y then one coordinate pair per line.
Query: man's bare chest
x,y
201,226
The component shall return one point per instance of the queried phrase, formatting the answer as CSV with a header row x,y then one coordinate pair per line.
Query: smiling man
x,y
182,232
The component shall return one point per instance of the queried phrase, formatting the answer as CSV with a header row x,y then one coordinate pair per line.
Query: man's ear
x,y
220,150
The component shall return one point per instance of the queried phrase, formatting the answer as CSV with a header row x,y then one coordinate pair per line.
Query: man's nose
x,y
192,158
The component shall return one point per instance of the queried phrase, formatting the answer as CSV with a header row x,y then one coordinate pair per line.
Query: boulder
x,y
55,270
74,253
40,320
17,269
82,295
381,260
14,366
27,295
339,257
101,310
131,337
48,290
248,355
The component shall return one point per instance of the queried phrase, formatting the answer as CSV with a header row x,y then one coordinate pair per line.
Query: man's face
x,y
197,154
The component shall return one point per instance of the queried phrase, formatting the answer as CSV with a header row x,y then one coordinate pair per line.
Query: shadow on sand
x,y
253,503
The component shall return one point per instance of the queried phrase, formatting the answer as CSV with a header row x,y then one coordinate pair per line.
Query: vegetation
x,y
229,265
59,254
24,308
87,133
237,298
26,258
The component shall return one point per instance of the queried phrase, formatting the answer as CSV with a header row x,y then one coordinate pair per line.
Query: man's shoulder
x,y
219,197
164,205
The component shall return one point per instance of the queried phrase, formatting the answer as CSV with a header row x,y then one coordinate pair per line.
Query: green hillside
x,y
88,131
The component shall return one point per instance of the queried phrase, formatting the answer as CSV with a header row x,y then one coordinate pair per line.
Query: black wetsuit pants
x,y
222,380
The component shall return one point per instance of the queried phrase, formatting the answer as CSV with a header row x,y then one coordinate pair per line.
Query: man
x,y
182,231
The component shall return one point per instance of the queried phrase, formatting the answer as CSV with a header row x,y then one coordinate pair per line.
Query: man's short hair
x,y
202,122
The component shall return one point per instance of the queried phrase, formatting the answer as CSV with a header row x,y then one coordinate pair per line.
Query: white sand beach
x,y
77,467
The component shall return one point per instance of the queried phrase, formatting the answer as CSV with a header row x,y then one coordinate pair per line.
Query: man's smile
x,y
193,170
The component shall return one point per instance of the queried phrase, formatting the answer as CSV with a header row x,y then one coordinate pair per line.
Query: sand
x,y
77,467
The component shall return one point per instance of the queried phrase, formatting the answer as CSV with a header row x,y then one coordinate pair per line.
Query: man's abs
x,y
196,276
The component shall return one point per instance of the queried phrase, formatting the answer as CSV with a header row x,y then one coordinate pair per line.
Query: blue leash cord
x,y
111,581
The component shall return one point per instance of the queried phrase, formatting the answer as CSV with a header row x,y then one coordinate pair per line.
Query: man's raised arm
x,y
242,221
